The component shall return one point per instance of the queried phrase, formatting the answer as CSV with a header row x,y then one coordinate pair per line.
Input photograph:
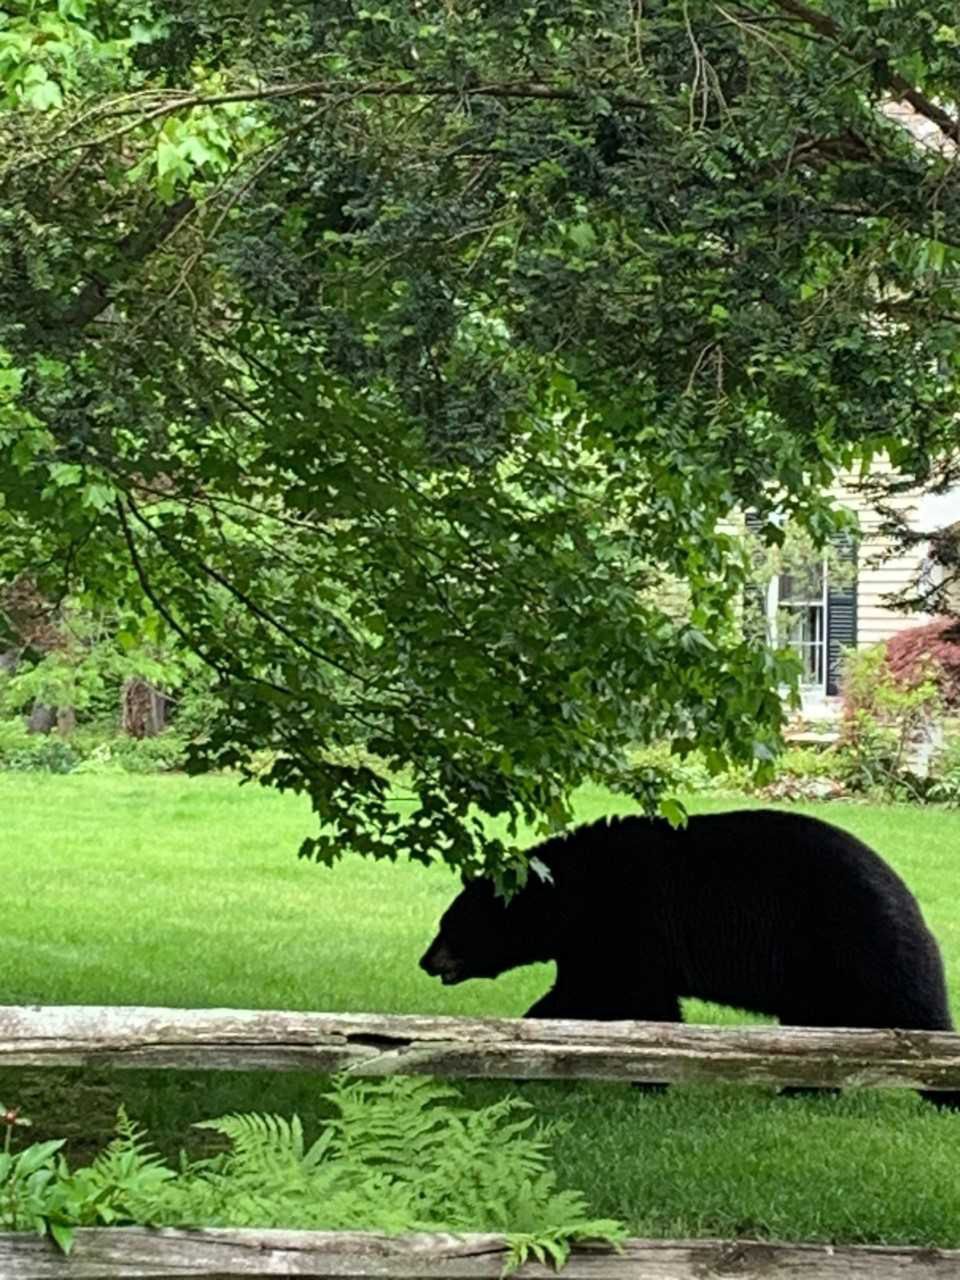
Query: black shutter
x,y
841,613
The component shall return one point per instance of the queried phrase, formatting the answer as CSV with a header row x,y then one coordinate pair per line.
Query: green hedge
x,y
87,751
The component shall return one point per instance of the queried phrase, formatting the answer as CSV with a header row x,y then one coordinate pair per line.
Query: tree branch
x,y
147,588
923,105
95,296
313,89
262,615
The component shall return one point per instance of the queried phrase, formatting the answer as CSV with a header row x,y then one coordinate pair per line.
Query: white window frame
x,y
773,638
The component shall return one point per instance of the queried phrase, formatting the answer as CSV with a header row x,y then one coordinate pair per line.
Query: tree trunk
x,y
9,660
142,708
66,721
42,718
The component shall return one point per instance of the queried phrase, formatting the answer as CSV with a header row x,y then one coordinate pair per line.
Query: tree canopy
x,y
407,363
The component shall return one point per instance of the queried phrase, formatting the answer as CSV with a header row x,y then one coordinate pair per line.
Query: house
x,y
821,618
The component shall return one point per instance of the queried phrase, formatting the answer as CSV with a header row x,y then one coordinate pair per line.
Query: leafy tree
x,y
396,358
85,662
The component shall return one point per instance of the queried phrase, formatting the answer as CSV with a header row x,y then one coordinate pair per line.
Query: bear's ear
x,y
541,870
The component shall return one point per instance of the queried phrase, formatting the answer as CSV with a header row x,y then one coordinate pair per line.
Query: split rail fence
x,y
493,1048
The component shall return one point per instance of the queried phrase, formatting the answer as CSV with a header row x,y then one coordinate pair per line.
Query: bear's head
x,y
482,936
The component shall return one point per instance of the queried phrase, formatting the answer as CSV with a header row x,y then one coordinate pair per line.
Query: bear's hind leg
x,y
927,1010
806,1018
934,1017
923,1008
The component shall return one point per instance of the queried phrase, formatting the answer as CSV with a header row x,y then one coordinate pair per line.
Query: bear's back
x,y
751,907
749,850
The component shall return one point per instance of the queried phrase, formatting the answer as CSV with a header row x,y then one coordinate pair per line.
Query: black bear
x,y
774,912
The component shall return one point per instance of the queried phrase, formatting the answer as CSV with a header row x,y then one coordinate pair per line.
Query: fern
x,y
553,1246
398,1155
390,1124
269,1141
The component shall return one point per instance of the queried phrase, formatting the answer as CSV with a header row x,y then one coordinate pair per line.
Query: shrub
x,y
87,751
161,754
21,751
812,762
932,652
882,719
13,736
945,787
687,773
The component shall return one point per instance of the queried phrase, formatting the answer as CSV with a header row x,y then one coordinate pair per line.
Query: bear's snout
x,y
441,963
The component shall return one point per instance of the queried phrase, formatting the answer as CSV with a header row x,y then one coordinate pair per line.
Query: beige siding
x,y
876,620
880,573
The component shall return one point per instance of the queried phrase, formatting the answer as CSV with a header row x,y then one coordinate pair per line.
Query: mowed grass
x,y
168,891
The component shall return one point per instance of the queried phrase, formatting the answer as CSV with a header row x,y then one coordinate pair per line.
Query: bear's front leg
x,y
596,995
560,1002
574,1000
552,1005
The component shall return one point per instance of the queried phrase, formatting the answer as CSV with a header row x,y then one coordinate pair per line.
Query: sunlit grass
x,y
174,892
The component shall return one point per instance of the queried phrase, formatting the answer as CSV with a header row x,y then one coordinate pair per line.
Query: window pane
x,y
803,586
802,628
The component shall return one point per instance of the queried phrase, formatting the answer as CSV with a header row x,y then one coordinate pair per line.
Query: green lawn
x,y
130,890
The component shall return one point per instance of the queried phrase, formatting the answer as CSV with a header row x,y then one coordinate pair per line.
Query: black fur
x,y
774,912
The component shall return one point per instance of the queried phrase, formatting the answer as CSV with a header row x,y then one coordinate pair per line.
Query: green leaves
x,y
37,90
398,1155
674,812
53,47
410,369
198,146
39,1193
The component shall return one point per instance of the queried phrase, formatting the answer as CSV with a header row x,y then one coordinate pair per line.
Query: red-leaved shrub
x,y
931,651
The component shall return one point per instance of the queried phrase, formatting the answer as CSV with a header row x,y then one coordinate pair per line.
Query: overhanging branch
x,y
313,89
95,296
923,105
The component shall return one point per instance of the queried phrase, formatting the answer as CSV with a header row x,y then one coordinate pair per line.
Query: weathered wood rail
x,y
379,1045
133,1252
504,1048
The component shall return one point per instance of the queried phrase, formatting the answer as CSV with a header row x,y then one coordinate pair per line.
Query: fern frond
x,y
260,1138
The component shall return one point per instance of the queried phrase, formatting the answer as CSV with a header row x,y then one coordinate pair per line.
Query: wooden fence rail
x,y
378,1045
504,1048
136,1253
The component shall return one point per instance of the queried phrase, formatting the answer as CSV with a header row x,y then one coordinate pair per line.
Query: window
x,y
815,616
797,617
